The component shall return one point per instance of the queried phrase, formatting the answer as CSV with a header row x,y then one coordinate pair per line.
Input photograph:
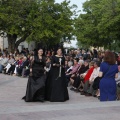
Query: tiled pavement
x,y
12,89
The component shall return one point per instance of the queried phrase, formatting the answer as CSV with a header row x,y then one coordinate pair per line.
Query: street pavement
x,y
12,89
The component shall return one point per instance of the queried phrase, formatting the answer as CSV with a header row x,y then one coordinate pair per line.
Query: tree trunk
x,y
11,42
22,39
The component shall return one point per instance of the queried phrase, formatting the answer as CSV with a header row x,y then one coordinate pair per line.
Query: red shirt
x,y
87,76
20,62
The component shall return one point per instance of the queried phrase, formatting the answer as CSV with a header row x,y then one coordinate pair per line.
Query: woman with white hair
x,y
76,80
70,66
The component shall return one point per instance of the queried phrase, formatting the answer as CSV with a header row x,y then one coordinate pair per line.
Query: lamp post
x,y
3,41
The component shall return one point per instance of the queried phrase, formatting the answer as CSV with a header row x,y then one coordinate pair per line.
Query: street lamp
x,y
3,41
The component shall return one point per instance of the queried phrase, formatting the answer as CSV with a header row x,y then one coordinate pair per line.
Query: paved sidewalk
x,y
13,88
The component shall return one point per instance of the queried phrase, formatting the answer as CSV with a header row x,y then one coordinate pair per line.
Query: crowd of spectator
x,y
81,67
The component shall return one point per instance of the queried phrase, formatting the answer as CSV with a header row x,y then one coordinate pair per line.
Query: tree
x,y
99,25
109,25
86,24
55,22
82,45
15,20
35,20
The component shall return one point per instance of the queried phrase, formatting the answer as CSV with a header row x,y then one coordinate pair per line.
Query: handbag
x,y
97,80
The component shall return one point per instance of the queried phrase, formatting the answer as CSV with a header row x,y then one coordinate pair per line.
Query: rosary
x,y
60,67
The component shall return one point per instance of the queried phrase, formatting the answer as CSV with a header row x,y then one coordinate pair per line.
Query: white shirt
x,y
118,78
1,59
4,61
69,68
94,74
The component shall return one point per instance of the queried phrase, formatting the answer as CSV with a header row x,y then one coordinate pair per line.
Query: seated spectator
x,y
78,54
3,62
95,53
48,54
13,65
76,80
23,51
23,65
86,77
118,59
1,58
118,83
118,78
48,64
69,67
74,70
81,72
17,64
66,65
26,71
0,52
80,58
10,62
16,52
85,68
74,76
95,73
84,54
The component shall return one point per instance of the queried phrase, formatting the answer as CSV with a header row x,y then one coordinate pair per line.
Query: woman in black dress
x,y
56,87
36,82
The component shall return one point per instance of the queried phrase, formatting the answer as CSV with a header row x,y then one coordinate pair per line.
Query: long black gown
x,y
56,87
36,82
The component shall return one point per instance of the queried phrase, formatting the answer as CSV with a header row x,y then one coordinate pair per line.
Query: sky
x,y
79,4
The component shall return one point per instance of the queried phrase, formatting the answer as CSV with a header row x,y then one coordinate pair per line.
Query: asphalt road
x,y
79,107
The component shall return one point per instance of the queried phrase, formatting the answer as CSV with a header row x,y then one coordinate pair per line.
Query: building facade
x,y
4,44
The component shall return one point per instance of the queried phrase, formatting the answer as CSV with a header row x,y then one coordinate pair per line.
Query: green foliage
x,y
82,45
99,25
37,20
14,15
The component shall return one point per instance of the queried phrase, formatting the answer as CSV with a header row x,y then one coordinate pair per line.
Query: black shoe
x,y
81,87
11,73
98,97
77,90
94,95
83,93
18,75
72,89
42,101
88,94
